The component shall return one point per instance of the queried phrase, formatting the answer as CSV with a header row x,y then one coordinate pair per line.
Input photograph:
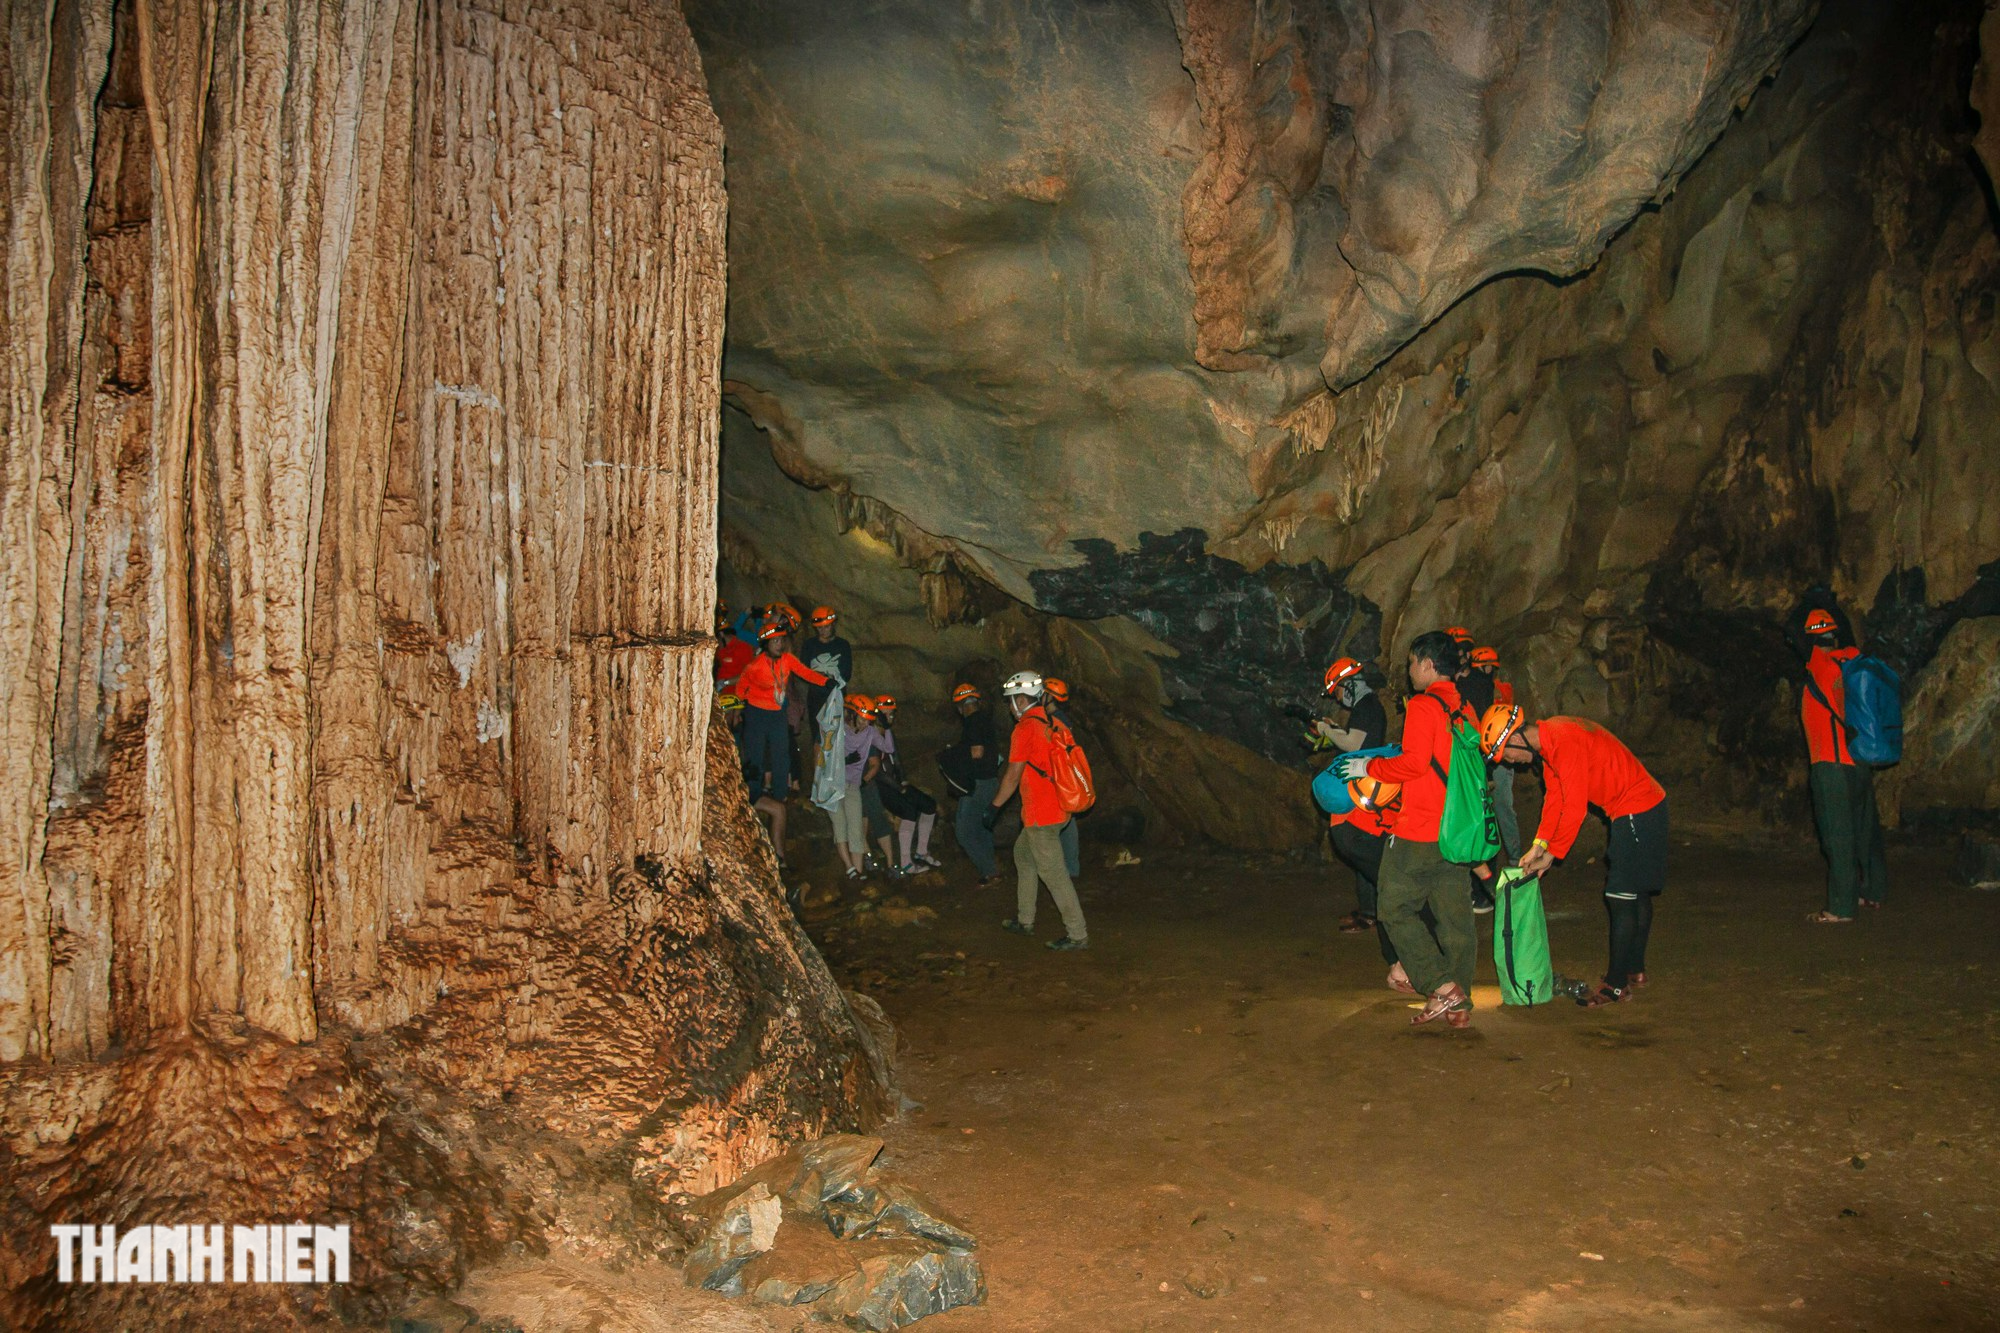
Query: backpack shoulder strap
x,y
1827,703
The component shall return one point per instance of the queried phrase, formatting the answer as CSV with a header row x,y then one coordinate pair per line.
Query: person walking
x,y
1038,855
1843,791
1415,874
980,755
1358,843
1585,767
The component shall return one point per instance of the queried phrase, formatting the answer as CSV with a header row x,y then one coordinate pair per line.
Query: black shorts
x,y
907,802
1637,854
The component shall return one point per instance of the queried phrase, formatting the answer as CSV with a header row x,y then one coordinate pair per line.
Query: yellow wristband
x,y
1542,843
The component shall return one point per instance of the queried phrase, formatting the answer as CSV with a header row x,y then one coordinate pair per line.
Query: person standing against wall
x,y
1843,791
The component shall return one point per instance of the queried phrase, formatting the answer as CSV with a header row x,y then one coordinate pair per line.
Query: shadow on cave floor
x,y
1219,1117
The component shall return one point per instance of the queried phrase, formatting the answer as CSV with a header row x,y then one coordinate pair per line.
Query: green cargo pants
x,y
1415,875
1038,856
1850,833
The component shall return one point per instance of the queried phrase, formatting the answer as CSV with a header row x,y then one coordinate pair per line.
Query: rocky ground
x,y
1219,1117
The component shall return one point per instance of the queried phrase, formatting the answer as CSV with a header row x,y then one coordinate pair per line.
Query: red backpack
x,y
1069,770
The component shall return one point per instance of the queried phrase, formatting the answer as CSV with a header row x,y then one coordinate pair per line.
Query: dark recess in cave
x,y
1250,642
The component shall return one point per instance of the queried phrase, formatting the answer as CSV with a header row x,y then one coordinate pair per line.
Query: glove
x,y
989,817
1319,740
1351,766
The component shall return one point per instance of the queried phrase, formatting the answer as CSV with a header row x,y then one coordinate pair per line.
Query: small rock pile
x,y
818,1227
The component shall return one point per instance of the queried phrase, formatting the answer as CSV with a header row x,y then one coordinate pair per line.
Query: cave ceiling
x,y
1036,274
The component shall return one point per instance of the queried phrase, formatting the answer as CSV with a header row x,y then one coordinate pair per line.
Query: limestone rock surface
x,y
367,853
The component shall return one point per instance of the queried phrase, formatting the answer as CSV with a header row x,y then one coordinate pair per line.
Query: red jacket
x,y
731,656
763,682
1826,738
1426,741
1585,765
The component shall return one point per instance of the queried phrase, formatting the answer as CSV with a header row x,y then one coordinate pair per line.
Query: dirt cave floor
x,y
1220,1117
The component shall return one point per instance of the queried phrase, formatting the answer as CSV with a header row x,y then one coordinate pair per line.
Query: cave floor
x,y
1219,1117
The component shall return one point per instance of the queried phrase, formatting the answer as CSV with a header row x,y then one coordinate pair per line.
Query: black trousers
x,y
1363,854
1636,858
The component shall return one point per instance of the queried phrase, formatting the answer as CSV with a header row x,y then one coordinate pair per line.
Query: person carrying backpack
x,y
1843,790
1585,766
1416,873
1055,700
1358,842
1039,766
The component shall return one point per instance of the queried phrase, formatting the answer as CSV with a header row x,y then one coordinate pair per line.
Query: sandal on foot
x,y
1399,981
1604,995
1828,919
1872,904
1637,981
1446,999
1356,922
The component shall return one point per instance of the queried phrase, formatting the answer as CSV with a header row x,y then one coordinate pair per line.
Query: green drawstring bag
x,y
1468,834
1521,940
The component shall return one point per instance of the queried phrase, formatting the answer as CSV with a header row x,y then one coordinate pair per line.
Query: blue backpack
x,y
1330,793
1874,720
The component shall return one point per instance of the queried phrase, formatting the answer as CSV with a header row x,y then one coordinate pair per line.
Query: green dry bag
x,y
1468,834
1521,940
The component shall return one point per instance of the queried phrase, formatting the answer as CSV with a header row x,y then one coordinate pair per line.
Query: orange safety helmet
x,y
1055,689
785,612
1461,634
823,615
1498,726
860,705
1485,657
772,628
1820,622
885,703
1341,670
965,692
1374,794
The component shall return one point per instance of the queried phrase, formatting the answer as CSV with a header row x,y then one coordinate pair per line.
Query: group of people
x,y
781,707
1421,904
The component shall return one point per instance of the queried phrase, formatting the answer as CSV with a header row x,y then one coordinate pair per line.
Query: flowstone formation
x,y
1038,284
369,856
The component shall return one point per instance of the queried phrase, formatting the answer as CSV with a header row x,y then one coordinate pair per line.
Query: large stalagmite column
x,y
359,399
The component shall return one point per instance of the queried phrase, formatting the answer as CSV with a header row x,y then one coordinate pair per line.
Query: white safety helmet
x,y
1026,683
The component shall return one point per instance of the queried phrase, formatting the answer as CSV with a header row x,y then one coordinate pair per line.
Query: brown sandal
x,y
1605,995
1446,1000
1400,984
1828,919
1356,922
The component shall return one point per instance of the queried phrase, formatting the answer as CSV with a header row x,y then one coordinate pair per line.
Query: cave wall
x,y
1769,370
360,422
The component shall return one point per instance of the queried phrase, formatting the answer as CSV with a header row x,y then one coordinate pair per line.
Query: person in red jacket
x,y
1415,874
767,738
1585,766
1843,792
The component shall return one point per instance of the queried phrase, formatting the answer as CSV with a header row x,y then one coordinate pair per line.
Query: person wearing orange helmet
x,y
973,765
826,652
1486,662
849,827
1843,791
765,686
1585,767
1358,842
1055,702
1436,960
